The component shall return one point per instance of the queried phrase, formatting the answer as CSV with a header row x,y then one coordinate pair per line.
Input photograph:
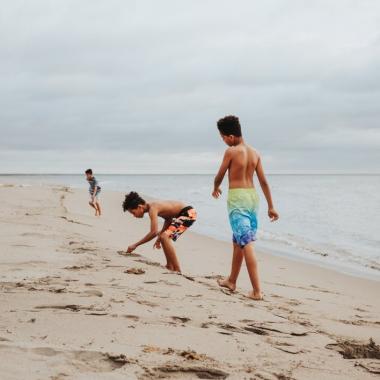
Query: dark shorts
x,y
181,223
96,195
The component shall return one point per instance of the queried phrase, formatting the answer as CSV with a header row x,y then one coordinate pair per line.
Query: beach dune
x,y
74,305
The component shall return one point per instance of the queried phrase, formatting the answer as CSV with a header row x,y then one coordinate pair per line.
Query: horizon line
x,y
316,172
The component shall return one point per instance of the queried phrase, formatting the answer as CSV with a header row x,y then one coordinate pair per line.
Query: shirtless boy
x,y
177,219
242,161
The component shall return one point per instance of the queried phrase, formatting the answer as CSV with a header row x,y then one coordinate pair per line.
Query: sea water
x,y
330,220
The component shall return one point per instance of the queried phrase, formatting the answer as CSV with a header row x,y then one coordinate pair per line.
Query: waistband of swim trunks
x,y
185,210
240,190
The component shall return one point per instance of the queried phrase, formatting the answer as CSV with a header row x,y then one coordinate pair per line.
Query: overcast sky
x,y
137,86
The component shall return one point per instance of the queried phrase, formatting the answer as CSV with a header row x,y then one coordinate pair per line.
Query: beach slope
x,y
73,305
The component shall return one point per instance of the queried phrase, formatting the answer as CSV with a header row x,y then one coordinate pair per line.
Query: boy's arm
x,y
153,214
221,173
272,213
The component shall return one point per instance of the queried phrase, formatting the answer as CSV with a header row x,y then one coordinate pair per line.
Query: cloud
x,y
147,77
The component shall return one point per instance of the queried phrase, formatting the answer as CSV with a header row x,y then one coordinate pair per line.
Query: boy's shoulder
x,y
253,150
161,203
231,150
235,150
156,205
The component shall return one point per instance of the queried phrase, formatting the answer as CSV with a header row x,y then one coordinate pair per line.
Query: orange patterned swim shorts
x,y
181,223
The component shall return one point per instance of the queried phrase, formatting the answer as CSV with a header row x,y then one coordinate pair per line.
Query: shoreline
x,y
368,273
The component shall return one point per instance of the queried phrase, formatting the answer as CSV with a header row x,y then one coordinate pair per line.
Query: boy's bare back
x,y
166,209
243,163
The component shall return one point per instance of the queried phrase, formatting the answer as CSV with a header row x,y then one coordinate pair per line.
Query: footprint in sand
x,y
74,221
181,319
92,293
359,322
79,267
125,253
72,307
132,317
148,262
114,300
135,271
354,350
147,303
289,349
199,372
214,277
277,327
187,354
80,250
256,330
169,283
58,290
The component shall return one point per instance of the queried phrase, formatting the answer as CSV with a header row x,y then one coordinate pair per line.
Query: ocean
x,y
329,220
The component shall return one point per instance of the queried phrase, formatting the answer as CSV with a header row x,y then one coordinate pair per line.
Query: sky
x,y
128,86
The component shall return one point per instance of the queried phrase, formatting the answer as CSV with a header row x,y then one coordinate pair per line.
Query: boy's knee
x,y
164,236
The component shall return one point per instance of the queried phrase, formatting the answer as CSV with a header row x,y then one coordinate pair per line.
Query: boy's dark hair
x,y
229,125
88,171
132,201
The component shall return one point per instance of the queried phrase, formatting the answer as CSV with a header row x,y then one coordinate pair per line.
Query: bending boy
x,y
242,161
177,219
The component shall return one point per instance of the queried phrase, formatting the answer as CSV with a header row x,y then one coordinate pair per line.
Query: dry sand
x,y
71,307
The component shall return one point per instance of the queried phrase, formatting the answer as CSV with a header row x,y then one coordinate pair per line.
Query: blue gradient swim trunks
x,y
243,206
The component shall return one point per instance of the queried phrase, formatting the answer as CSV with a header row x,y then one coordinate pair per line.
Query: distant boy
x,y
94,191
177,219
242,161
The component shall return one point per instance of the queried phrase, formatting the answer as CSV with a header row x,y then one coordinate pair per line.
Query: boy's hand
x,y
273,214
157,244
217,193
131,248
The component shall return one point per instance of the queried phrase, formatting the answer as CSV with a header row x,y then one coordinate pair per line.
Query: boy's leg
x,y
251,262
96,209
92,204
171,257
97,204
237,259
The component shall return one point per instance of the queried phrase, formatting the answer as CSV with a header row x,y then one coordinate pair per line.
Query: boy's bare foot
x,y
256,296
226,283
172,268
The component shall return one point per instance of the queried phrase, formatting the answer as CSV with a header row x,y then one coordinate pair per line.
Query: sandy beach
x,y
73,305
